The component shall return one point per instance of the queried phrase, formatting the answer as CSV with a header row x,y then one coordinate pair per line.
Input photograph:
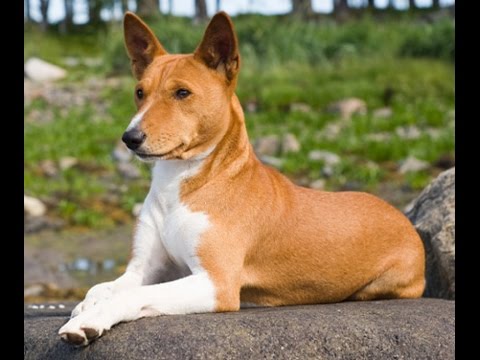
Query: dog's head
x,y
183,101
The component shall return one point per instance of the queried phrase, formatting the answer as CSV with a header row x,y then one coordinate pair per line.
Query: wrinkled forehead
x,y
175,67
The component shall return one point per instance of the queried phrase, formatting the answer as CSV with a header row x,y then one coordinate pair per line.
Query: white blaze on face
x,y
137,118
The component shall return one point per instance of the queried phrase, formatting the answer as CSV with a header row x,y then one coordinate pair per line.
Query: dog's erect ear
x,y
219,47
141,43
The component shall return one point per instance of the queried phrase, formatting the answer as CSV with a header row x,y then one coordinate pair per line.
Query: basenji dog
x,y
234,229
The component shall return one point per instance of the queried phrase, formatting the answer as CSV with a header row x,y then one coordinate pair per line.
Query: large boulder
x,y
391,329
433,214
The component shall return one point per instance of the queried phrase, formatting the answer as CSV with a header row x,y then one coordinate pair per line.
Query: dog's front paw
x,y
83,329
99,292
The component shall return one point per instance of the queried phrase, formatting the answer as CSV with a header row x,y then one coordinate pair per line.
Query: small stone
x,y
48,168
331,131
121,153
39,70
412,164
267,145
67,162
346,108
272,161
128,171
251,106
137,208
51,307
300,107
318,184
33,290
327,157
378,137
61,306
382,113
408,132
33,207
290,144
327,171
41,306
71,61
92,62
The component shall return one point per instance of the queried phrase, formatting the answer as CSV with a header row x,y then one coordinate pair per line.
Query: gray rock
x,y
93,62
71,61
378,137
272,161
267,145
300,107
346,108
331,131
290,144
318,184
327,157
48,168
41,71
128,171
251,106
412,164
382,113
433,214
67,162
408,132
33,207
391,329
121,153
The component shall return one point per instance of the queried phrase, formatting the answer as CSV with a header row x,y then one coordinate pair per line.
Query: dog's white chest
x,y
179,227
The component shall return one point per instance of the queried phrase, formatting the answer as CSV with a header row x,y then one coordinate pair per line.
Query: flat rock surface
x,y
390,329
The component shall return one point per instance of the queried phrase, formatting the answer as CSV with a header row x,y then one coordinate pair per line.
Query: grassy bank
x,y
285,62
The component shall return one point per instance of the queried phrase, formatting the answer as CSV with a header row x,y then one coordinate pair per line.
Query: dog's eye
x,y
182,94
139,94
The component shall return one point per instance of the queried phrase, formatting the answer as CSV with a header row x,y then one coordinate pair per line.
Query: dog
x,y
234,229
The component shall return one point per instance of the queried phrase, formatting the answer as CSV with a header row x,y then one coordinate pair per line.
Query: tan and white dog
x,y
237,231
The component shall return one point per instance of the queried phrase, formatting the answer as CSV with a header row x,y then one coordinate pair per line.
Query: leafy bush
x,y
435,40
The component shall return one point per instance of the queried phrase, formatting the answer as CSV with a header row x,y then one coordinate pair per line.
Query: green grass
x,y
284,62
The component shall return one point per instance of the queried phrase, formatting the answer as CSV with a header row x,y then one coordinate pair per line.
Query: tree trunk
x,y
411,4
218,4
94,8
371,4
123,6
436,4
200,10
302,8
44,11
340,5
170,7
391,4
148,8
68,13
27,10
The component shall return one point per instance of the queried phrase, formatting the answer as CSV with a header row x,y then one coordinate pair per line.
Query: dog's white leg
x,y
149,259
192,294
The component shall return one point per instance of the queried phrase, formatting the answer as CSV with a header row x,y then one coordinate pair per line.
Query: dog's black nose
x,y
133,138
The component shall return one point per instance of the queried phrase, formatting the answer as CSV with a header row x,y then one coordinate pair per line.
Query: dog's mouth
x,y
172,154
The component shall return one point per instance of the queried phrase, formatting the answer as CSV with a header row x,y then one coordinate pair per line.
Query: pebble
x,y
290,144
33,207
